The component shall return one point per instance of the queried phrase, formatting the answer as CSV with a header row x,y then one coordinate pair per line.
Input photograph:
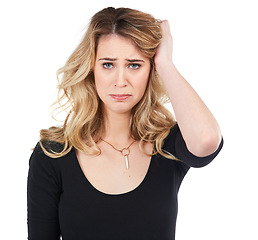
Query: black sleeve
x,y
182,153
43,192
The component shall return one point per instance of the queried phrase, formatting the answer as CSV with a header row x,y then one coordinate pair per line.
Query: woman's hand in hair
x,y
163,56
199,128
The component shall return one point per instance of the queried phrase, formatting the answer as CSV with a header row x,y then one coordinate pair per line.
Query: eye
x,y
134,66
107,65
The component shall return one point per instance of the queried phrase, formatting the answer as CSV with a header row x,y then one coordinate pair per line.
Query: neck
x,y
117,129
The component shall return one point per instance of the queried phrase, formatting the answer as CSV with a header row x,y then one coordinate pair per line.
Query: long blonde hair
x,y
83,127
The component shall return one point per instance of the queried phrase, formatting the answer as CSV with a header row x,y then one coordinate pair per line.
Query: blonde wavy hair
x,y
83,127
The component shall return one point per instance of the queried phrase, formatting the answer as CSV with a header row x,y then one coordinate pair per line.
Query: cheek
x,y
142,82
100,79
99,86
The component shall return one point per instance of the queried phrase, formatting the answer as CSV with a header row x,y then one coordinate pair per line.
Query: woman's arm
x,y
43,193
199,128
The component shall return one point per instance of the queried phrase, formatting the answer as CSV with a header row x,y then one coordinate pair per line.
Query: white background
x,y
215,49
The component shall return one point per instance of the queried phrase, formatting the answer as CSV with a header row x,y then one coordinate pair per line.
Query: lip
x,y
120,97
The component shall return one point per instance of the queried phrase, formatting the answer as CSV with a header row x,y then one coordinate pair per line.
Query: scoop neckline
x,y
146,177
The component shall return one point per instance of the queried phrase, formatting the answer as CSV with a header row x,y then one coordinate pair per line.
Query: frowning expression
x,y
121,73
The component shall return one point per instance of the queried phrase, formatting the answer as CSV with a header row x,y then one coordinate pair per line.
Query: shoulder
x,y
44,171
38,158
51,146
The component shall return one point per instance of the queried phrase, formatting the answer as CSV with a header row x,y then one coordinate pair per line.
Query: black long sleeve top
x,y
63,203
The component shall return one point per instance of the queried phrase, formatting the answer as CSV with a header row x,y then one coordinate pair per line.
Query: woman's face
x,y
121,73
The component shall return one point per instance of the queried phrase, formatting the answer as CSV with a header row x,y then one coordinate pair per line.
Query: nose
x,y
121,80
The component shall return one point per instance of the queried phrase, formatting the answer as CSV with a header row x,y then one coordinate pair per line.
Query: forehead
x,y
117,46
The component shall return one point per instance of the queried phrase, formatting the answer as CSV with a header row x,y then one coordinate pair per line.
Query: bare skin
x,y
199,128
120,68
117,73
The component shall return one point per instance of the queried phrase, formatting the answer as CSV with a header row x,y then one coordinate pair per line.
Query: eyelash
x,y
106,64
135,64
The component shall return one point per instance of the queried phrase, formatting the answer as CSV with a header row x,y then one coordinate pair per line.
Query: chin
x,y
120,109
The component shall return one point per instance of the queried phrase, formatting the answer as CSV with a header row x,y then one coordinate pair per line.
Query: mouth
x,y
120,97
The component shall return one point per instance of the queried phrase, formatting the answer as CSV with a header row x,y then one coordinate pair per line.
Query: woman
x,y
113,170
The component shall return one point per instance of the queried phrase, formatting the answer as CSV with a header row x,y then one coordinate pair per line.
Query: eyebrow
x,y
114,59
134,60
107,59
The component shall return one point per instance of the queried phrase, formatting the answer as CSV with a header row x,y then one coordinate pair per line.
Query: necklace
x,y
125,151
